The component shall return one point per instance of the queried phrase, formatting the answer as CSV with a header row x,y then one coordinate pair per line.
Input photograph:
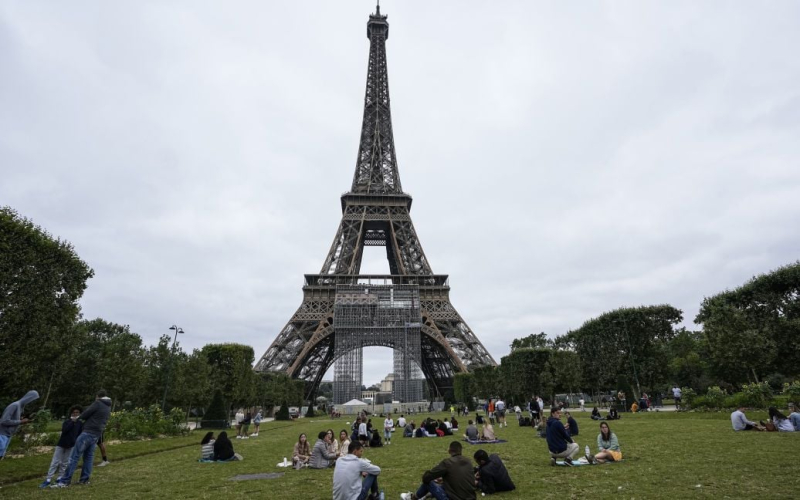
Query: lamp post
x,y
169,366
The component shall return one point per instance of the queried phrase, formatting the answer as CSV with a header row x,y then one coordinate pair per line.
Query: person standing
x,y
388,426
239,419
676,395
70,430
559,441
12,419
355,478
257,422
246,425
500,408
457,478
582,402
94,419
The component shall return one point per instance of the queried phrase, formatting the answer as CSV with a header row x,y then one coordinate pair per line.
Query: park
x,y
657,261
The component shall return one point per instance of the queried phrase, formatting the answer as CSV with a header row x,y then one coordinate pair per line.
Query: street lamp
x,y
169,366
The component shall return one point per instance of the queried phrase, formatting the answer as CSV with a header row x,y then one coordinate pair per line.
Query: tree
x,y
464,389
232,372
216,417
521,372
532,341
629,342
41,280
754,330
486,381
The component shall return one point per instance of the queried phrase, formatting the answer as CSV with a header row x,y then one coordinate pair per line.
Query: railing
x,y
328,280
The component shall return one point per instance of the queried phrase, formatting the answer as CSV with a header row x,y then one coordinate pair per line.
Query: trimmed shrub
x,y
145,423
283,412
217,416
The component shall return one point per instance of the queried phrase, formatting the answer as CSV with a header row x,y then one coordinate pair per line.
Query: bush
x,y
217,415
283,412
756,395
792,391
715,397
33,434
145,423
688,395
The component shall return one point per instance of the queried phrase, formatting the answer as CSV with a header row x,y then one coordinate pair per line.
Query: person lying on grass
x,y
453,478
740,423
301,453
608,447
321,456
559,442
355,478
207,446
491,475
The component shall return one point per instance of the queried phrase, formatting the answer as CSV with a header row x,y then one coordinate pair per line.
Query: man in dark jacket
x,y
12,419
94,419
492,476
559,441
456,473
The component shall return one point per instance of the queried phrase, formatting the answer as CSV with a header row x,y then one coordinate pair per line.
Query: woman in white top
x,y
388,426
781,422
344,443
333,444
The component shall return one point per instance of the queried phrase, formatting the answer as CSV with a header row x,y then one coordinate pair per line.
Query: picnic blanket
x,y
485,441
579,462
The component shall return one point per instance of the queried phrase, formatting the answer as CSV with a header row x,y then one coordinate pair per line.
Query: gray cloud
x,y
564,159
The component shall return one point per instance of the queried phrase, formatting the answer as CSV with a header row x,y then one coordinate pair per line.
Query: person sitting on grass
x,y
355,478
740,422
457,478
607,445
572,425
321,457
207,446
634,407
223,449
408,429
780,421
559,441
344,443
596,414
488,432
333,443
613,414
454,425
794,417
478,418
443,430
301,453
491,475
363,433
375,440
472,432
70,430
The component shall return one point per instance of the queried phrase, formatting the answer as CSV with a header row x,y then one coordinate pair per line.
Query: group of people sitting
x,y
613,414
454,478
561,444
431,428
217,449
778,422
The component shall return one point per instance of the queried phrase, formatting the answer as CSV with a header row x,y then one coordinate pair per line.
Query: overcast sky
x,y
565,158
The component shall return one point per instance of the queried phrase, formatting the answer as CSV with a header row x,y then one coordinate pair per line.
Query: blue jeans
x,y
84,446
4,440
435,489
369,483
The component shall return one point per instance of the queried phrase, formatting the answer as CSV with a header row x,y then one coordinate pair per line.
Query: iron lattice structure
x,y
369,315
375,211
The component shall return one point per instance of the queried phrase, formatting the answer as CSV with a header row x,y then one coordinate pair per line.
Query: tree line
x,y
47,346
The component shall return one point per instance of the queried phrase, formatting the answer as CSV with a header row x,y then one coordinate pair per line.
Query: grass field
x,y
667,455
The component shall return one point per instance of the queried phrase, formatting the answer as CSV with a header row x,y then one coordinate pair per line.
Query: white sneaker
x,y
103,463
245,437
238,437
405,496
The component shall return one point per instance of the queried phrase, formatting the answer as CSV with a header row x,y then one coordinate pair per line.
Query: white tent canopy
x,y
355,402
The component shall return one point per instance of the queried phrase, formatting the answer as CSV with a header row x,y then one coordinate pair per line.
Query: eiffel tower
x,y
375,212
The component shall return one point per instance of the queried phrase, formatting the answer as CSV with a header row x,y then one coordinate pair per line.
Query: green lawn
x,y
667,455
